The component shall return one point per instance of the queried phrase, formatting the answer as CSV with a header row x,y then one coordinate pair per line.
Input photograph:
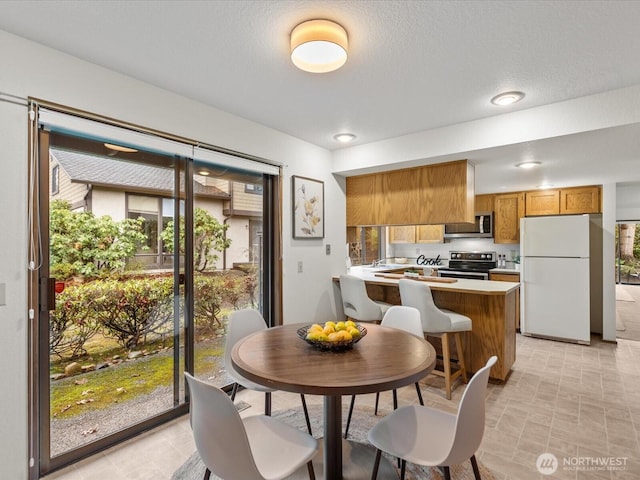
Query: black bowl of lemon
x,y
332,336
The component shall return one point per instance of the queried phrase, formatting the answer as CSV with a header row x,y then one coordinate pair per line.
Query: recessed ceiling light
x,y
507,98
527,165
319,46
120,148
344,137
204,173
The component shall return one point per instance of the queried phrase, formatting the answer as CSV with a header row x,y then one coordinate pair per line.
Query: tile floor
x,y
580,403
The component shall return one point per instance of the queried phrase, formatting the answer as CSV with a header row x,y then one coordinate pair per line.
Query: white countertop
x,y
486,287
504,270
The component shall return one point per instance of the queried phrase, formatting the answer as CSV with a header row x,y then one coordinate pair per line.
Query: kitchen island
x,y
491,305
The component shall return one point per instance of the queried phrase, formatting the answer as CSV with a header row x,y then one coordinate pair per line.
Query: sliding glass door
x,y
144,254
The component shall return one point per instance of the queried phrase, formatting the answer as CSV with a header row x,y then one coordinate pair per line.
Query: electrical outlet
x,y
328,249
300,266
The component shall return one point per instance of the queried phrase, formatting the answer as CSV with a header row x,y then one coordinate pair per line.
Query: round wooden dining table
x,y
384,359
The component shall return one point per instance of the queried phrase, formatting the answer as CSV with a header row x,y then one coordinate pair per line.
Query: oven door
x,y
466,274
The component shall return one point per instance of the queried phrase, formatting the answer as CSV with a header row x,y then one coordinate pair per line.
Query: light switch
x,y
328,249
3,293
300,266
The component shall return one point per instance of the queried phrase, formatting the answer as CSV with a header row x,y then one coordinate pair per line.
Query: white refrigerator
x,y
561,277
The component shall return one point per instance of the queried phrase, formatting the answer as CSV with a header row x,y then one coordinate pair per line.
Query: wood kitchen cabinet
x,y
509,209
542,202
485,203
428,195
580,200
402,234
564,201
430,234
509,277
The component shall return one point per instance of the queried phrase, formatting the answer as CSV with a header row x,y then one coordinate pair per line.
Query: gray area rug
x,y
362,421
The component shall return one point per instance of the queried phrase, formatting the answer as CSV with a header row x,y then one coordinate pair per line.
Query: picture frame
x,y
307,199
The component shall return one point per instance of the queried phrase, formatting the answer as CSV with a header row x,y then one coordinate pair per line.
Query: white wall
x,y
33,70
628,202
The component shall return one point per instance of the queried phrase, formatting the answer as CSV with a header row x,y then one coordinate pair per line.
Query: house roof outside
x,y
111,172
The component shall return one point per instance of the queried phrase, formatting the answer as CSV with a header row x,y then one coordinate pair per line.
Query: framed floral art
x,y
308,207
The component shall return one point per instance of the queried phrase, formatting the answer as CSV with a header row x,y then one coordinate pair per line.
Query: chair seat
x,y
278,449
459,323
402,434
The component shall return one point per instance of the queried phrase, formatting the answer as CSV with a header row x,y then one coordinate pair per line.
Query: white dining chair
x,y
402,318
356,302
433,438
439,323
241,324
256,447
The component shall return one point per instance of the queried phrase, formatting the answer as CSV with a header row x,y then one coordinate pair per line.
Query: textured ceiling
x,y
413,65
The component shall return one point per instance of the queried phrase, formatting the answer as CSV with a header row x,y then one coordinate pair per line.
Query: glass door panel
x,y
117,315
228,255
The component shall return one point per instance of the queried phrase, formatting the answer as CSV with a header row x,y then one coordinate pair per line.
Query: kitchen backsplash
x,y
412,251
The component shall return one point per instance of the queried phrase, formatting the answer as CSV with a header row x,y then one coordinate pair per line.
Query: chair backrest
x,y
241,324
417,294
471,417
403,318
219,433
355,301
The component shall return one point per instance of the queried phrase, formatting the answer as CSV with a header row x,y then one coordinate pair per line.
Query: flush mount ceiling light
x,y
204,173
344,137
319,46
119,148
527,165
507,98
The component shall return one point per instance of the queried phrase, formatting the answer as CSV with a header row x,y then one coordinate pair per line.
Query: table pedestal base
x,y
357,464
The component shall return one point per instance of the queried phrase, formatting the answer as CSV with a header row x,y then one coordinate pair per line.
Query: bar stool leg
x,y
446,358
461,363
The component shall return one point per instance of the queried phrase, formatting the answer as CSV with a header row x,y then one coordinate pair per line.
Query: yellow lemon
x,y
335,336
330,324
328,329
345,335
314,335
340,326
350,323
315,328
353,331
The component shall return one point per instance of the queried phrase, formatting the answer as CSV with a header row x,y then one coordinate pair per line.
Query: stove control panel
x,y
473,256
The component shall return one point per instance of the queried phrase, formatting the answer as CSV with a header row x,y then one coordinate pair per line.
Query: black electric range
x,y
472,265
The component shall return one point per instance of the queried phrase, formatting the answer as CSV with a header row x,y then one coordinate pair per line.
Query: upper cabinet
x,y
485,203
402,234
429,195
564,201
509,209
580,200
430,234
542,202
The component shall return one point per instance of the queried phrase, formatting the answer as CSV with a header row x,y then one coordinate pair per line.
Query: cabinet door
x,y
403,234
430,234
542,202
484,203
580,200
509,209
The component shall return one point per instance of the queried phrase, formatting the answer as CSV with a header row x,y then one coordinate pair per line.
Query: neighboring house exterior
x,y
124,189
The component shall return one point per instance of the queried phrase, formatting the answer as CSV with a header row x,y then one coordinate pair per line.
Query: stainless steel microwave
x,y
482,227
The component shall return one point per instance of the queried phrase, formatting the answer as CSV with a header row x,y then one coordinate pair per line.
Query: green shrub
x,y
132,309
73,321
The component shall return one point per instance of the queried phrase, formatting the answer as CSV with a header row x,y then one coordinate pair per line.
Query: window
x,y
55,179
253,188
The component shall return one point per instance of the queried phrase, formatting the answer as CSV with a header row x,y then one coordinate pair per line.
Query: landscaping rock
x,y
135,354
88,368
100,366
57,376
72,369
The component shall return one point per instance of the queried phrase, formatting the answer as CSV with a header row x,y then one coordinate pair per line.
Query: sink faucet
x,y
377,263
